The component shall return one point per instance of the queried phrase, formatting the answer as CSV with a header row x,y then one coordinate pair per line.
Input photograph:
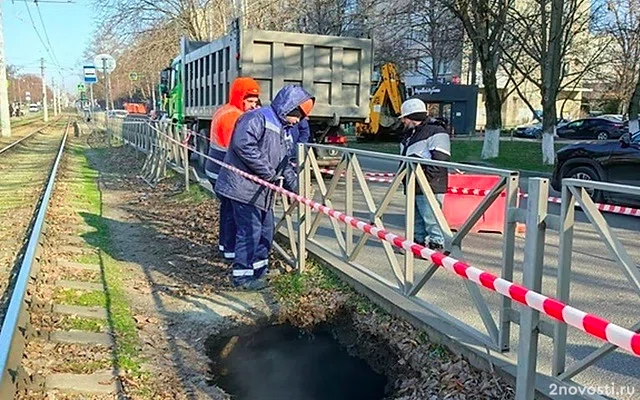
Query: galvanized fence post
x,y
108,129
508,252
410,224
303,210
185,158
349,204
532,279
567,220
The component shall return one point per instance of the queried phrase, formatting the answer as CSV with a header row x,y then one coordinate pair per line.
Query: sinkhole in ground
x,y
279,362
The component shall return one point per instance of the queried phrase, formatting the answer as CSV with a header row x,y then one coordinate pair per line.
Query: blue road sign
x,y
90,75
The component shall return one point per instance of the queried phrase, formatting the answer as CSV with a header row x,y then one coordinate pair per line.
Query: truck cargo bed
x,y
337,70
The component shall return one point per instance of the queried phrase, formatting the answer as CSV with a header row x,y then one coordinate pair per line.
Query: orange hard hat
x,y
306,107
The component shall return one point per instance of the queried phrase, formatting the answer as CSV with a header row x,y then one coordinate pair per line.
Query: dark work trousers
x,y
226,227
253,241
227,230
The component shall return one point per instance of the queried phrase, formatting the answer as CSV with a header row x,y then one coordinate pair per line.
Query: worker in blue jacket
x,y
260,145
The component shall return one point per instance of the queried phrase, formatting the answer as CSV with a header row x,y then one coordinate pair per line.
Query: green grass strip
x,y
75,297
516,155
120,318
68,323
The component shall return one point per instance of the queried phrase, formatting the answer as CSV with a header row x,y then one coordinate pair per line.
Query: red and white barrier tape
x,y
609,208
383,177
591,324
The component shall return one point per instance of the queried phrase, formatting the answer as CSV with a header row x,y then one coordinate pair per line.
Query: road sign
x,y
90,75
81,88
105,60
133,76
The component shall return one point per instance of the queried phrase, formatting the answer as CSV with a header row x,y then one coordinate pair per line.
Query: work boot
x,y
436,246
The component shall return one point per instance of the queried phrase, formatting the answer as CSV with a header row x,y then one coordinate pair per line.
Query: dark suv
x,y
593,128
615,162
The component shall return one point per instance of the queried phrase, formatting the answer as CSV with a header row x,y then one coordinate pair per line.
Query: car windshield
x,y
576,124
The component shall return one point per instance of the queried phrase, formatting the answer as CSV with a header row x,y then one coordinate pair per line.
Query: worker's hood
x,y
240,89
288,99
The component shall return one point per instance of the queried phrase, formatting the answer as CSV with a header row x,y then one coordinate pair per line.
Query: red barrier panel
x,y
458,207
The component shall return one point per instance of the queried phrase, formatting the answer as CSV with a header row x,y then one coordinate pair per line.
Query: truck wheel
x,y
587,173
327,153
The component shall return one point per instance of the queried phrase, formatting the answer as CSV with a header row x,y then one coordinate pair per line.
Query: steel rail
x,y
17,142
14,315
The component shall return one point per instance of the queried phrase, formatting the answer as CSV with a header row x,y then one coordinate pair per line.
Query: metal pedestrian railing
x,y
346,235
349,174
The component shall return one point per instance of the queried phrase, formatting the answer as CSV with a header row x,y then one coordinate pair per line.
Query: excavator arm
x,y
387,98
384,106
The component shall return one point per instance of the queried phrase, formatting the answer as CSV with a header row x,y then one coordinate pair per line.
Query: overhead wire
x,y
46,35
35,28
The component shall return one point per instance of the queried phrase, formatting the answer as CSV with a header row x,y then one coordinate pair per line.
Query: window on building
x,y
445,67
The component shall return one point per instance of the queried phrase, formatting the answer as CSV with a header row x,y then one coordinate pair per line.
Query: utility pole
x,y
44,92
153,95
107,84
5,118
55,102
92,102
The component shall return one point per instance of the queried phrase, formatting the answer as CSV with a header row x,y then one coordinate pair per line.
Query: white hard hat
x,y
412,106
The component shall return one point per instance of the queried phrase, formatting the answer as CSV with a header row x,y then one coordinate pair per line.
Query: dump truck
x,y
336,70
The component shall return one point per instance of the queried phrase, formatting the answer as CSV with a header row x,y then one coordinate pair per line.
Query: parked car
x,y
34,108
117,113
615,162
534,129
592,128
613,117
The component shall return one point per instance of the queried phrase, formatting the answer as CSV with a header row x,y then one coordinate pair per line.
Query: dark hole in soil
x,y
281,362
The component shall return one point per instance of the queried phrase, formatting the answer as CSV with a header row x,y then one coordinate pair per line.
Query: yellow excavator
x,y
384,106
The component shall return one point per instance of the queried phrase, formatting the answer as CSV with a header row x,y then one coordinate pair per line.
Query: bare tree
x,y
143,35
434,36
20,83
624,29
198,19
548,43
634,108
484,22
340,17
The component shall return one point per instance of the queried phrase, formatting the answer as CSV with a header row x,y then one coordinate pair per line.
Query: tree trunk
x,y
551,70
493,109
634,109
474,65
548,129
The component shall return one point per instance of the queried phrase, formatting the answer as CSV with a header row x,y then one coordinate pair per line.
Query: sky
x,y
69,27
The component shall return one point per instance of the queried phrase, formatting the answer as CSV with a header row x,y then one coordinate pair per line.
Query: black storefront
x,y
455,103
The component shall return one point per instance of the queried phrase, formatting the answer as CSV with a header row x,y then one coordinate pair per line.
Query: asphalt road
x,y
598,283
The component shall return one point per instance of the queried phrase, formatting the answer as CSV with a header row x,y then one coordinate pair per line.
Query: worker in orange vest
x,y
243,96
